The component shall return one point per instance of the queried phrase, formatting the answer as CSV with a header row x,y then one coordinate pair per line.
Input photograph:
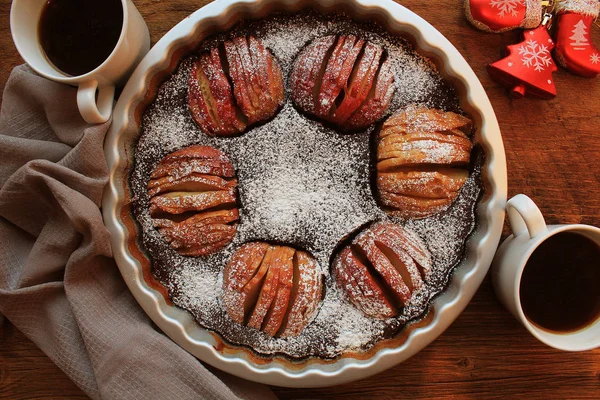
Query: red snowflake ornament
x,y
504,15
529,66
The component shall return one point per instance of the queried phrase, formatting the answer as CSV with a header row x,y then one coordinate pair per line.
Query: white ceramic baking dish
x,y
179,324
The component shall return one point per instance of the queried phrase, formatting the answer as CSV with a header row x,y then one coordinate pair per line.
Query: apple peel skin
x,y
306,295
199,234
360,83
376,105
267,292
338,71
305,76
194,159
257,78
361,287
277,311
210,98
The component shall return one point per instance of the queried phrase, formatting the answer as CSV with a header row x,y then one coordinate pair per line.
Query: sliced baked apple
x,y
419,193
382,269
338,71
189,183
235,85
308,73
210,98
344,80
360,83
382,265
282,292
422,155
194,160
361,286
378,99
267,291
305,295
256,76
276,314
182,202
195,213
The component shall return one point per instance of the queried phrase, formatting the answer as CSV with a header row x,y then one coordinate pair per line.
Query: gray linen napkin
x,y
58,282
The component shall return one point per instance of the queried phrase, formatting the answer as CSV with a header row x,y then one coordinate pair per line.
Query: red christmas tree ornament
x,y
574,51
503,15
529,66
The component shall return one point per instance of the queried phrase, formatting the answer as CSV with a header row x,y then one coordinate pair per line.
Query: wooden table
x,y
553,153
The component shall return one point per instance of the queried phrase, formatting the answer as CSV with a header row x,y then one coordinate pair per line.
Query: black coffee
x,y
560,286
78,35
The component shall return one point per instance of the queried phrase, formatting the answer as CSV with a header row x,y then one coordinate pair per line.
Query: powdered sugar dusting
x,y
303,181
300,184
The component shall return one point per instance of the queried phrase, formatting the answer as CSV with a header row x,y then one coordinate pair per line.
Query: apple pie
x,y
304,185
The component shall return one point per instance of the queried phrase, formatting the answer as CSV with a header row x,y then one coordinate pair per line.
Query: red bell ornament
x,y
504,15
574,50
528,68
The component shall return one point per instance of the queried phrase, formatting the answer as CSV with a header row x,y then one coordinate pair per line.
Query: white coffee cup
x,y
529,231
133,44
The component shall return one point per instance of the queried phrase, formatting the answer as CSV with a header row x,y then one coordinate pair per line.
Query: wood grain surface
x,y
553,153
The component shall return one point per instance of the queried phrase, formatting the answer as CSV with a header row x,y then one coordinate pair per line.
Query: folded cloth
x,y
58,282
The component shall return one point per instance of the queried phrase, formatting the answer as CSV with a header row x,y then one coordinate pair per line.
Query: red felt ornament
x,y
574,51
504,15
529,66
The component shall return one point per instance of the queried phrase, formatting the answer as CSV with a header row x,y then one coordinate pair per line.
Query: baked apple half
x,y
344,80
382,269
233,86
276,289
193,197
422,159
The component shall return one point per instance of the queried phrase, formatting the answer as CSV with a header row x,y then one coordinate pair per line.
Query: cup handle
x,y
92,112
524,216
